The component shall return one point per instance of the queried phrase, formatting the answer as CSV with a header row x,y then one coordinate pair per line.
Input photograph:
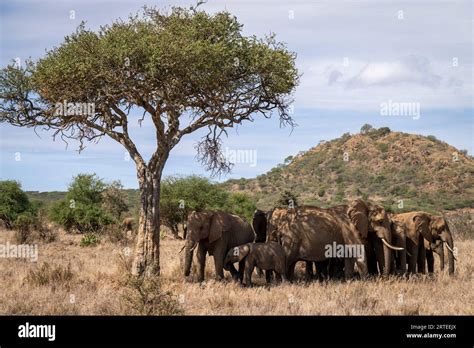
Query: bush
x,y
144,296
29,228
287,199
383,147
89,239
13,202
366,128
82,209
46,274
240,204
23,226
114,200
380,132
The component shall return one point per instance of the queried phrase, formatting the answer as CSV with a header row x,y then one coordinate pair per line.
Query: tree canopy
x,y
187,70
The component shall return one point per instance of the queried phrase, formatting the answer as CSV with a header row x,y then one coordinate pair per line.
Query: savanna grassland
x,y
71,279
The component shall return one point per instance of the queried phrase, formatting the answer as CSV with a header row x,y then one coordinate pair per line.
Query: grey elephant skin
x,y
304,233
421,234
214,233
268,256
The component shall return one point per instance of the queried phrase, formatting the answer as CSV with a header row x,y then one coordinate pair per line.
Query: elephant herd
x,y
357,239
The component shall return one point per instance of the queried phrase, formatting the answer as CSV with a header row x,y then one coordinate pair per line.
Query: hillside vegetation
x,y
401,171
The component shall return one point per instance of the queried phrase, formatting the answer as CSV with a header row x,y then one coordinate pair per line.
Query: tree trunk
x,y
147,250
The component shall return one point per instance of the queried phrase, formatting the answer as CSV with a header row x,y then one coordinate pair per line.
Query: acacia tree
x,y
186,70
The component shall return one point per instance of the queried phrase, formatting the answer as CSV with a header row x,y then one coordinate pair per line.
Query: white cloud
x,y
412,69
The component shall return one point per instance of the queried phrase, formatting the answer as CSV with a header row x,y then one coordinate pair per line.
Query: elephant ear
x,y
421,222
358,214
219,224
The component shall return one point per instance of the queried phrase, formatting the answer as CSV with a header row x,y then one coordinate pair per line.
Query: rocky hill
x,y
401,171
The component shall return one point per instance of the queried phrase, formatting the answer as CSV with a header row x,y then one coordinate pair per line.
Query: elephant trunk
x,y
450,246
387,255
188,256
440,252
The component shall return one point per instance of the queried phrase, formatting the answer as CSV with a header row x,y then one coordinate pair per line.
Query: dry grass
x,y
69,279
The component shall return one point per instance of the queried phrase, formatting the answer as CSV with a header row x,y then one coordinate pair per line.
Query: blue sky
x,y
354,56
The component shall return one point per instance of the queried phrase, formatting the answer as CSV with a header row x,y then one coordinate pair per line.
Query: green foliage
x,y
383,147
82,209
380,132
182,195
432,138
114,200
366,128
13,202
288,160
89,239
24,225
240,204
287,199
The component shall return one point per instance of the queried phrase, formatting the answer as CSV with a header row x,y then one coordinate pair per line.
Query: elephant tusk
x,y
390,246
451,250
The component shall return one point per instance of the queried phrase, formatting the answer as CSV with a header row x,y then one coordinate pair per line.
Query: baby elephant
x,y
267,256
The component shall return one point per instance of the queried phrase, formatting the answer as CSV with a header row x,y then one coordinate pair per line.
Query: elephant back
x,y
241,232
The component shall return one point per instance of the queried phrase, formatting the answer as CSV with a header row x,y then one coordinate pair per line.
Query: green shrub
x,y
383,147
82,209
13,202
144,296
24,226
89,239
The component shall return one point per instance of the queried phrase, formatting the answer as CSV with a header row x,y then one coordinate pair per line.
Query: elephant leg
x,y
430,260
309,271
259,272
349,268
379,256
201,259
268,276
322,268
291,271
371,259
219,263
241,270
249,266
421,259
234,272
413,260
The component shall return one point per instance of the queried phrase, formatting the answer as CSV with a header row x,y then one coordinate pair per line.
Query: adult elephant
x,y
305,233
442,236
423,234
399,236
214,232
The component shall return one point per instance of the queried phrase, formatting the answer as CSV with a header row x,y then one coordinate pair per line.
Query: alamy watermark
x,y
74,109
242,156
392,108
335,250
25,251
